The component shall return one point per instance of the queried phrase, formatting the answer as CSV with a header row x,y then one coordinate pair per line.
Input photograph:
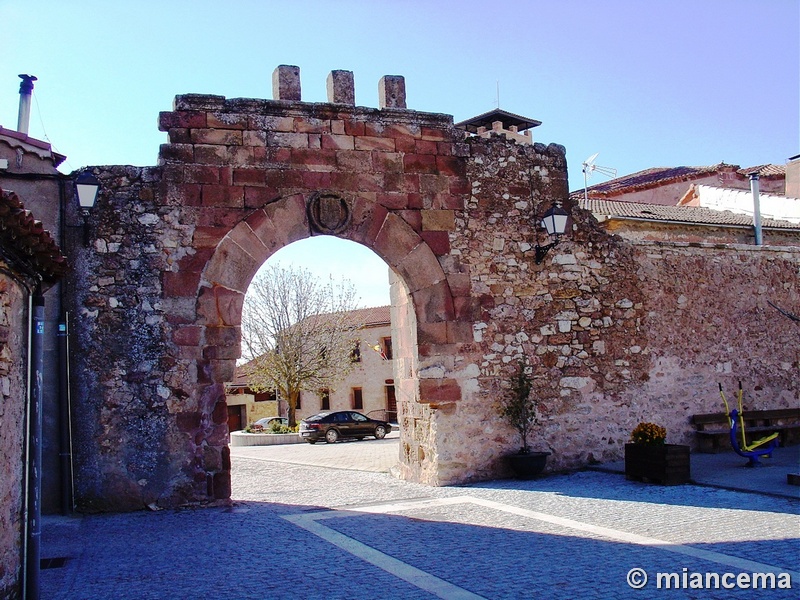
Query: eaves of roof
x,y
650,178
659,176
764,171
23,141
497,114
688,215
26,244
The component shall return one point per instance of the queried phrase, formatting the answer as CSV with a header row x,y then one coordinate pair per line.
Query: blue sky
x,y
644,83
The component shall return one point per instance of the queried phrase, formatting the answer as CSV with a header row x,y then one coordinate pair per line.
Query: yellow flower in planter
x,y
649,434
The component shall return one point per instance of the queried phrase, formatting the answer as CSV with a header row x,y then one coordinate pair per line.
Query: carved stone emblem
x,y
328,213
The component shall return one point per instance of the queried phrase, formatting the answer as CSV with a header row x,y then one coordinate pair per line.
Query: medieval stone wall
x,y
123,450
13,327
654,231
615,331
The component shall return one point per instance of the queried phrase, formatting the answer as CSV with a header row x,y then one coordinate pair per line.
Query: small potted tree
x,y
520,410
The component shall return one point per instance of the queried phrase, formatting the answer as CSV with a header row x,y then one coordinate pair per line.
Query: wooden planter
x,y
667,464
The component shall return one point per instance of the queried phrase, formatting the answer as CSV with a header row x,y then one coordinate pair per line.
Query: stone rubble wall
x,y
616,332
13,333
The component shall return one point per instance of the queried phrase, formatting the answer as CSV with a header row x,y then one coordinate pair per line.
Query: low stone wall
x,y
239,438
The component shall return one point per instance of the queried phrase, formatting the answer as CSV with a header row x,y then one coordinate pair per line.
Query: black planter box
x,y
667,464
527,466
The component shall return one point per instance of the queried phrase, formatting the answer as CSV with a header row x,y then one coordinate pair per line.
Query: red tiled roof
x,y
373,315
765,171
677,214
658,176
25,243
653,177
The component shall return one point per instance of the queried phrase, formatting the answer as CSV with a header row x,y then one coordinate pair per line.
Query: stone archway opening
x,y
367,382
239,180
420,297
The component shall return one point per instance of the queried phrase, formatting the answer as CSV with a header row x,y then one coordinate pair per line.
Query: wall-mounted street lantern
x,y
555,222
86,187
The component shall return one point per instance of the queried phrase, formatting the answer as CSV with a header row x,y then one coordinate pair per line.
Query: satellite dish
x,y
589,167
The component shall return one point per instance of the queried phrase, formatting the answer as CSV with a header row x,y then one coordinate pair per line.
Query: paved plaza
x,y
308,522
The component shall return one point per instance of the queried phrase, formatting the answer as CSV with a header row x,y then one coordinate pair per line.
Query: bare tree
x,y
298,332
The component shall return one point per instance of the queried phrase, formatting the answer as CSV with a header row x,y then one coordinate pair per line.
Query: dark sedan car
x,y
331,426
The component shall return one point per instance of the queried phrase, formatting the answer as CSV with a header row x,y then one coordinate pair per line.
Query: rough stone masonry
x,y
616,332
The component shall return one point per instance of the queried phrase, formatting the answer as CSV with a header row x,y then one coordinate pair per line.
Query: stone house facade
x,y
31,171
30,262
616,330
368,388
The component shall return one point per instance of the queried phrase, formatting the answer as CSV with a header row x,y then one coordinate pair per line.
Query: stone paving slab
x,y
299,531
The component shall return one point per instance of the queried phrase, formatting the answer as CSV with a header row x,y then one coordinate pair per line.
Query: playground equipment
x,y
755,449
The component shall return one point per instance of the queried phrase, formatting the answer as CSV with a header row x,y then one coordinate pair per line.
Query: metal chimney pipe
x,y
25,91
756,208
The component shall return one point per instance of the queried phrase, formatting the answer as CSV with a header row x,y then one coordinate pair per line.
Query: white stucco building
x,y
369,388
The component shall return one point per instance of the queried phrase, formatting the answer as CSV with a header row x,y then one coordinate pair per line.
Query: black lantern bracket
x,y
86,188
555,222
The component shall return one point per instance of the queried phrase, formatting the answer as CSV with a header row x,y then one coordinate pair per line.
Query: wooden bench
x,y
713,429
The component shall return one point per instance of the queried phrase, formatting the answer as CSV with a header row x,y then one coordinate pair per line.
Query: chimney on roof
x,y
25,91
793,177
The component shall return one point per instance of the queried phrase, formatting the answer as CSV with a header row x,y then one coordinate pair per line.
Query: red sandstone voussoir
x,y
396,240
413,218
205,237
366,221
434,303
432,333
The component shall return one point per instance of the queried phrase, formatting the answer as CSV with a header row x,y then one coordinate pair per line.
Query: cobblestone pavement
x,y
300,531
367,455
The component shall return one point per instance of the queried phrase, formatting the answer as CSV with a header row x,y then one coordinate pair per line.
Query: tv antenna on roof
x,y
589,167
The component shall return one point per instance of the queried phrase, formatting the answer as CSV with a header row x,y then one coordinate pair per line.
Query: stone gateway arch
x,y
156,297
